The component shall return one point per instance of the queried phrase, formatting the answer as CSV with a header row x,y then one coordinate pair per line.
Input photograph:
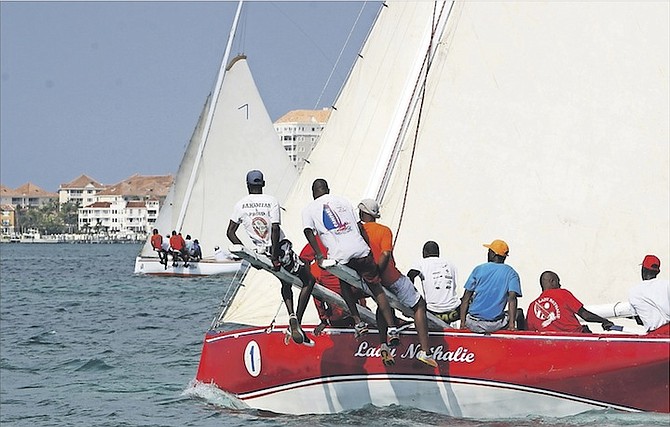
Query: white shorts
x,y
405,291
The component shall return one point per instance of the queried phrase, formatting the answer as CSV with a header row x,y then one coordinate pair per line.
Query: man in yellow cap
x,y
490,287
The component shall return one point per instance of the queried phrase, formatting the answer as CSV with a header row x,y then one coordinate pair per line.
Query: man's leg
x,y
294,325
381,325
421,323
350,299
382,303
305,292
384,350
287,296
369,272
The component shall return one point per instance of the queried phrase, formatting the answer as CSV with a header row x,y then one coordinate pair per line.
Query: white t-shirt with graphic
x,y
439,278
651,301
257,213
334,219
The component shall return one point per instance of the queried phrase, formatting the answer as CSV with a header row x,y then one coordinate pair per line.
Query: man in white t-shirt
x,y
333,218
260,216
438,283
651,298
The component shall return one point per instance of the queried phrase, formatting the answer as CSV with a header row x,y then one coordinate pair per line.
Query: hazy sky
x,y
110,89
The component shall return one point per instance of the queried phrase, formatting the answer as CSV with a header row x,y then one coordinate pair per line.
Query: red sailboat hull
x,y
521,373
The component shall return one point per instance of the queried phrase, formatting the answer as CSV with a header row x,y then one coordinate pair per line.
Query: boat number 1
x,y
252,358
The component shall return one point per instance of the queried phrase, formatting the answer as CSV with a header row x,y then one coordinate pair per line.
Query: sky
x,y
110,89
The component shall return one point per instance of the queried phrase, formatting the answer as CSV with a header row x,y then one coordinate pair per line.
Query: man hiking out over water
x,y
333,218
260,215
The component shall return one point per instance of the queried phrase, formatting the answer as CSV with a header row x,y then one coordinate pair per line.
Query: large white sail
x,y
241,138
545,124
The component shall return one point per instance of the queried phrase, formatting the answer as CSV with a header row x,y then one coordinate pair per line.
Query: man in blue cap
x,y
260,215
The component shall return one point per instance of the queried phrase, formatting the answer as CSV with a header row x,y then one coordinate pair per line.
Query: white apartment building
x,y
126,210
81,190
299,131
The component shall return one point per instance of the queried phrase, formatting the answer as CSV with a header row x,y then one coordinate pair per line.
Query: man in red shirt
x,y
331,315
178,246
381,244
555,309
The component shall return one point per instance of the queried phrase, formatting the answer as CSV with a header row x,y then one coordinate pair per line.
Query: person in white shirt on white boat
x,y
260,216
333,218
490,287
188,244
651,298
438,283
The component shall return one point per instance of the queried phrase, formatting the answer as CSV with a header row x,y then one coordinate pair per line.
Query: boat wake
x,y
213,395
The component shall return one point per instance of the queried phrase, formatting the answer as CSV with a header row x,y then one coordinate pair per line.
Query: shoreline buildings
x,y
128,209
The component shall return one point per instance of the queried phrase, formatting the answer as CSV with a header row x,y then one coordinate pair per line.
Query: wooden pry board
x,y
322,293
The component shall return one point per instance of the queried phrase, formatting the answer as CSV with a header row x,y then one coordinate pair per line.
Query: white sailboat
x,y
234,134
545,124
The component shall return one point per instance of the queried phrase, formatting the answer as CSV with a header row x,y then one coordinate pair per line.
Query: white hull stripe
x,y
431,379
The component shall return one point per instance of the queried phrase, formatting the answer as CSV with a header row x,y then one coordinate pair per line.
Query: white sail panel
x,y
546,125
241,137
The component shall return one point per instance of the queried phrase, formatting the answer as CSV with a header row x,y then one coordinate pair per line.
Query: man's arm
x,y
511,306
412,274
384,260
232,232
318,255
363,233
274,251
465,304
592,317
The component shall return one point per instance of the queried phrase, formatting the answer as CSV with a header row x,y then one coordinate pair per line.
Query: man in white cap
x,y
381,243
651,298
260,215
490,287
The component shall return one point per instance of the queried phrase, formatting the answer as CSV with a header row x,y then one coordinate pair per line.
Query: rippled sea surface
x,y
84,342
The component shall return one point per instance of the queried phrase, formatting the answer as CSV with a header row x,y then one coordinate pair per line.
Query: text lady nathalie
x,y
460,354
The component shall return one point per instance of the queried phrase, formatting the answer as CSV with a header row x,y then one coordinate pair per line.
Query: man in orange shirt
x,y
157,244
381,244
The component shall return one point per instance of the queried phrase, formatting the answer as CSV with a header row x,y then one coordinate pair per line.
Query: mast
x,y
210,117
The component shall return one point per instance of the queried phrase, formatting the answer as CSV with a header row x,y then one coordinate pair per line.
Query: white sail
x,y
241,137
545,124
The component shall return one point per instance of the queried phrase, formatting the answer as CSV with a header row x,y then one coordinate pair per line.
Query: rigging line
x,y
339,56
418,126
230,293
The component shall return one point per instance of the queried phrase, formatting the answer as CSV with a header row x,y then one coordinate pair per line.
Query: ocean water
x,y
84,342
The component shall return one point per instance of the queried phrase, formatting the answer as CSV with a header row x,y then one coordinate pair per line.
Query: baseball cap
x,y
255,177
499,247
369,206
651,262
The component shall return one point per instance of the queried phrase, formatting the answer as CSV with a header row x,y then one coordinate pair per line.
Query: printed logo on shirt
x,y
546,310
260,226
333,222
